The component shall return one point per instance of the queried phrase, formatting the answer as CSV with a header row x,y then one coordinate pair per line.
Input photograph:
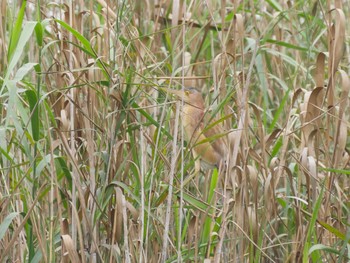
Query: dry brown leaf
x,y
118,216
336,50
314,105
312,120
338,38
65,226
192,230
269,195
304,165
69,248
175,19
320,70
296,95
239,24
341,136
253,174
312,173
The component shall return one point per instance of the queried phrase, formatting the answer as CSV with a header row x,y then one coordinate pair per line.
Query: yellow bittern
x,y
208,140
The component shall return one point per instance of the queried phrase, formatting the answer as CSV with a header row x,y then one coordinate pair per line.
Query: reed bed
x,y
94,165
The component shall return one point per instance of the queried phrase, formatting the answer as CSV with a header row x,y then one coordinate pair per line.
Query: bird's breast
x,y
192,120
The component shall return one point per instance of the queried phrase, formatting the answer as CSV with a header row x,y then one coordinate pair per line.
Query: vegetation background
x,y
93,159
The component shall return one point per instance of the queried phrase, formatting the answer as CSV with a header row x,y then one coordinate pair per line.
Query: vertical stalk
x,y
179,244
72,127
35,176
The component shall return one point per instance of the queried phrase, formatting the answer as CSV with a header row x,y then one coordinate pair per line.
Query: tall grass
x,y
94,164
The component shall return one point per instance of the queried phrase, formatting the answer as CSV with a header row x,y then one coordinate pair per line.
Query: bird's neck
x,y
193,112
193,117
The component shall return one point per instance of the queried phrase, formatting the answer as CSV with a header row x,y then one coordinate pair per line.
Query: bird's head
x,y
191,96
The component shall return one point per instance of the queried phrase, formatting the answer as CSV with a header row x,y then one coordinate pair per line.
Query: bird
x,y
207,140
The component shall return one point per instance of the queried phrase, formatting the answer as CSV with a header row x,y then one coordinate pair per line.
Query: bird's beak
x,y
179,93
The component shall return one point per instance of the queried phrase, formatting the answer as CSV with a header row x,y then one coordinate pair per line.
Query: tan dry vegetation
x,y
94,163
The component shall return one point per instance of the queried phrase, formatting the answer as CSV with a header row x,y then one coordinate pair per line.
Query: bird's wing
x,y
217,136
